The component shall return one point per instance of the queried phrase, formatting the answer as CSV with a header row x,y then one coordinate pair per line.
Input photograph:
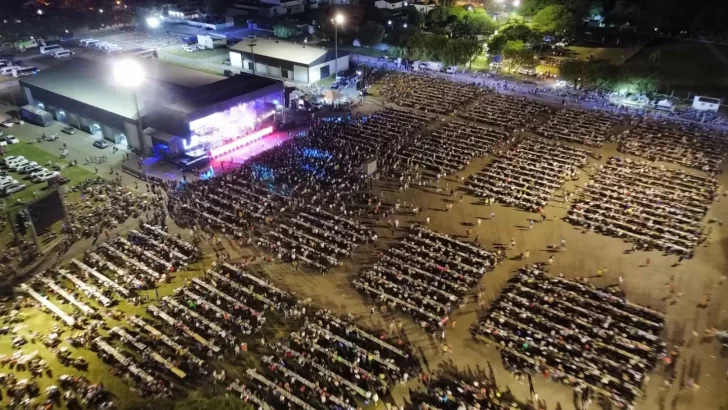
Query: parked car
x,y
29,169
10,139
39,172
46,176
8,183
191,48
101,144
29,165
17,165
7,124
11,158
68,130
10,189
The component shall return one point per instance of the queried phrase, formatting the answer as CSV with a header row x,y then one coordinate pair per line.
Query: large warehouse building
x,y
181,109
287,61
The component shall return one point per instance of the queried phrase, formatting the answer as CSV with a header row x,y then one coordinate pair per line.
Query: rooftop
x,y
284,50
180,89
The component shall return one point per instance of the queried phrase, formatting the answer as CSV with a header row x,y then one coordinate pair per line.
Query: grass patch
x,y
611,54
198,55
33,153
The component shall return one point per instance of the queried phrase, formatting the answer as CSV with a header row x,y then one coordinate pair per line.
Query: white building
x,y
286,61
706,103
390,4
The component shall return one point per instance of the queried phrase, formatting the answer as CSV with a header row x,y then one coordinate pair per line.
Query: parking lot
x,y
79,147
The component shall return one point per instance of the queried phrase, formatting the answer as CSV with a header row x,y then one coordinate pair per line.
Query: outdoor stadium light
x,y
338,19
389,22
404,25
40,12
129,74
101,11
153,22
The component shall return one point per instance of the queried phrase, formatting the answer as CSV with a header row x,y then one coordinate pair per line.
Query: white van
x,y
8,70
88,42
50,49
62,54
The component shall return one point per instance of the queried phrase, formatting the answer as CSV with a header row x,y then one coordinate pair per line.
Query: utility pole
x,y
252,52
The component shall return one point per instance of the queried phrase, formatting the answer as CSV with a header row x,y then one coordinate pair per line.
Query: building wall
x,y
300,74
315,71
83,116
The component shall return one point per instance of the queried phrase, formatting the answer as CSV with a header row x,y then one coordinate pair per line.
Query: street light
x,y
338,19
40,12
404,25
153,22
129,74
389,22
101,11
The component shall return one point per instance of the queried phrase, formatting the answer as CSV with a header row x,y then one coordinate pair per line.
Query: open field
x,y
216,55
685,66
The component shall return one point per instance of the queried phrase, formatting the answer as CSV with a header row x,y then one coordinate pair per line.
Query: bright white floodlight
x,y
339,19
128,73
153,22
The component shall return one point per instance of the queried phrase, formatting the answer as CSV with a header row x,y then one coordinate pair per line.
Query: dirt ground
x,y
644,283
585,253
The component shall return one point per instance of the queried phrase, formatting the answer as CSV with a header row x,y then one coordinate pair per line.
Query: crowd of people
x,y
590,128
427,275
457,391
507,111
429,94
574,333
686,144
651,206
300,370
449,149
526,174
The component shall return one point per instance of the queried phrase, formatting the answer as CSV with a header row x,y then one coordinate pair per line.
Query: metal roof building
x,y
81,93
296,62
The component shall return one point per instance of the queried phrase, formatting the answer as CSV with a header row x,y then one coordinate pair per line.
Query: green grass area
x,y
611,54
479,64
33,153
217,55
364,51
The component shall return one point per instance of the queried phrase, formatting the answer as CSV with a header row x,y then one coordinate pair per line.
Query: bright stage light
x,y
240,142
128,73
153,22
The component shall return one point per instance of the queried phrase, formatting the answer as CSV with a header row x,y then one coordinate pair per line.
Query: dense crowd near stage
x,y
315,201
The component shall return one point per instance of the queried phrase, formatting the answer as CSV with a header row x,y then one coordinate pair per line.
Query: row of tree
x,y
698,15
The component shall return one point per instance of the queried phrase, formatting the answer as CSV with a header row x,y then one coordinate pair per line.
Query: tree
x,y
517,54
519,32
284,29
553,19
415,19
216,7
573,71
473,24
371,33
496,44
472,48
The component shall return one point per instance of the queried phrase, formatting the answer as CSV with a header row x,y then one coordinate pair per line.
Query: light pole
x,y
339,19
252,52
129,74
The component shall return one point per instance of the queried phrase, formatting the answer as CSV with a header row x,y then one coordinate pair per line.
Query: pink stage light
x,y
240,143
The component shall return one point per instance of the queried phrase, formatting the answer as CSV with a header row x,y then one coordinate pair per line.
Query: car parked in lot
x,y
10,189
30,165
11,158
39,172
68,130
10,139
101,144
20,164
7,124
46,176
